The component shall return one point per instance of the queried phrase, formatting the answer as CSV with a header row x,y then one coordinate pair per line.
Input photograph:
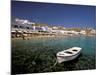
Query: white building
x,y
41,28
83,32
22,25
93,31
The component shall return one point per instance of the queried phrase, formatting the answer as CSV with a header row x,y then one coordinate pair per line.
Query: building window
x,y
27,27
15,26
21,27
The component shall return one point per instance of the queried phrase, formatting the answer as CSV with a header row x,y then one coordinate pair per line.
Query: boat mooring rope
x,y
52,66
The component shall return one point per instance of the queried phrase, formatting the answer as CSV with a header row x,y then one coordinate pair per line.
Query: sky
x,y
67,15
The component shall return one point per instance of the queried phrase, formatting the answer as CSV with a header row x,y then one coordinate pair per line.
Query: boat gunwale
x,y
70,49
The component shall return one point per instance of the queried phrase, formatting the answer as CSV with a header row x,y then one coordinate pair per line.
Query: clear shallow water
x,y
35,56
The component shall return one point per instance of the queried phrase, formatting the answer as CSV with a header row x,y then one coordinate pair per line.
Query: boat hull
x,y
61,59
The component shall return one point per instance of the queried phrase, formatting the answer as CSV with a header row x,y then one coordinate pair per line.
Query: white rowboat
x,y
68,54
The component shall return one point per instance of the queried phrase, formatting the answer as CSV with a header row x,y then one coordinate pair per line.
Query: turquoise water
x,y
37,55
